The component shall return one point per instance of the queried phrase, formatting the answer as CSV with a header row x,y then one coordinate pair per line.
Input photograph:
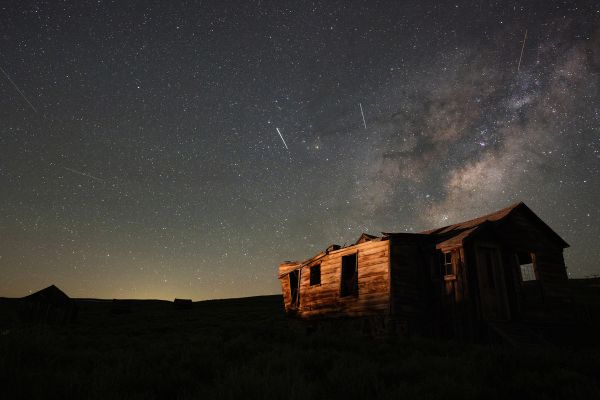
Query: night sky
x,y
140,156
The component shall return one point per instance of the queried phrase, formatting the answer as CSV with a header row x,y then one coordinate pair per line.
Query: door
x,y
294,280
492,285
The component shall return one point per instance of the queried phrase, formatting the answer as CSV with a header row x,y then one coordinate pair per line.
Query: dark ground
x,y
247,348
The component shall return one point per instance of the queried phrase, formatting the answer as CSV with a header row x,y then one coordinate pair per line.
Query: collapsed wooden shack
x,y
462,280
50,305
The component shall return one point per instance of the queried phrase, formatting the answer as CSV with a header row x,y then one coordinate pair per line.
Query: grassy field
x,y
247,348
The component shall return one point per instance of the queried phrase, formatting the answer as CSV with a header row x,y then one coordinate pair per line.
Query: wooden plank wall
x,y
553,276
373,284
460,311
417,287
522,234
471,317
406,299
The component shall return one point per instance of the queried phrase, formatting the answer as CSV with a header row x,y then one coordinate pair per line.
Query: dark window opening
x,y
447,264
294,287
315,275
527,267
349,275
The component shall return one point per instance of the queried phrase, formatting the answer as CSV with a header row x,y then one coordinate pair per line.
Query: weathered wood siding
x,y
458,307
405,262
471,309
421,296
373,283
553,277
519,232
546,298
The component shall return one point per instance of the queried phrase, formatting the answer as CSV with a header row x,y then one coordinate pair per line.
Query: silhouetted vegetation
x,y
247,348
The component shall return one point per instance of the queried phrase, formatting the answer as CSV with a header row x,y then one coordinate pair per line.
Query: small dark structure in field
x,y
50,305
466,280
182,304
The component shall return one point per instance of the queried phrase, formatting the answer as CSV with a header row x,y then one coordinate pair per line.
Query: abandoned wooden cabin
x,y
451,281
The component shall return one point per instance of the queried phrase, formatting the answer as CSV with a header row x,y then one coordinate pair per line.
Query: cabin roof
x,y
365,237
472,223
457,240
456,233
446,237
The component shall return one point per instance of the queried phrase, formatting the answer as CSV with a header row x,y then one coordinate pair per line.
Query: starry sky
x,y
140,155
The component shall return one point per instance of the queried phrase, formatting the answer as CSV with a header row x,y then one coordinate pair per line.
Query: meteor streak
x,y
363,115
522,47
84,174
282,139
18,90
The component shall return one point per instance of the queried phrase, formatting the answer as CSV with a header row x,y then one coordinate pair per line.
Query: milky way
x,y
184,149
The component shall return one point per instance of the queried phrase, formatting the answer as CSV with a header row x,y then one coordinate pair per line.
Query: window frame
x,y
534,273
355,290
312,268
447,260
